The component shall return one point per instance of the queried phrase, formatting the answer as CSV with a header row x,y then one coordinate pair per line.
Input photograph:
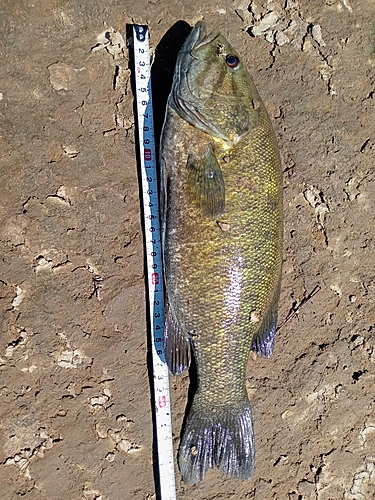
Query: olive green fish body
x,y
222,244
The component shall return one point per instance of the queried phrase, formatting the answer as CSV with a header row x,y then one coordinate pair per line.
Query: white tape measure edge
x,y
153,261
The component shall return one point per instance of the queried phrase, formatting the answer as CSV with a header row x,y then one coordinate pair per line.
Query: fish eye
x,y
232,61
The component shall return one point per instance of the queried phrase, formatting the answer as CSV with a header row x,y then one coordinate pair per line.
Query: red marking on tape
x,y
162,401
155,278
147,154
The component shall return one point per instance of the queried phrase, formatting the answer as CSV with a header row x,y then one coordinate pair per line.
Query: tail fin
x,y
220,437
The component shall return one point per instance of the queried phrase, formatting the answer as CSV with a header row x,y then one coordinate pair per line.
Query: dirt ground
x,y
75,417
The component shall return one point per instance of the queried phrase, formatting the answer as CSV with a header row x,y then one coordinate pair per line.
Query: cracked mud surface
x,y
75,402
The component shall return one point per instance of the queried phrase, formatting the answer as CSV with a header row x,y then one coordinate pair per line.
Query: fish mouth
x,y
195,38
203,39
195,41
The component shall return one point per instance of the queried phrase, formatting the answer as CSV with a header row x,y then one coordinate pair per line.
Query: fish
x,y
222,238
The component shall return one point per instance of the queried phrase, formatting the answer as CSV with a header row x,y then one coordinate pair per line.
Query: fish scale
x,y
222,256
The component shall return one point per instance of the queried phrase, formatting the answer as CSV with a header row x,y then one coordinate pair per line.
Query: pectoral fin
x,y
206,182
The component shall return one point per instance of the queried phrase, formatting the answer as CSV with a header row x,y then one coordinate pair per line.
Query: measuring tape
x,y
154,260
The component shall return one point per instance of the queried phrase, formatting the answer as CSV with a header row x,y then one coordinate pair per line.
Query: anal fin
x,y
176,344
264,339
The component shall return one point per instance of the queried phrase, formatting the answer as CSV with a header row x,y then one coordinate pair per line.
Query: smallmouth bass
x,y
222,246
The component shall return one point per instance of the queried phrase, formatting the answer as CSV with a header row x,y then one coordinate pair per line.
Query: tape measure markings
x,y
153,260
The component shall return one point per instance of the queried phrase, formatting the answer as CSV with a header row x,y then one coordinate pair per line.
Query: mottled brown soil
x,y
75,417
